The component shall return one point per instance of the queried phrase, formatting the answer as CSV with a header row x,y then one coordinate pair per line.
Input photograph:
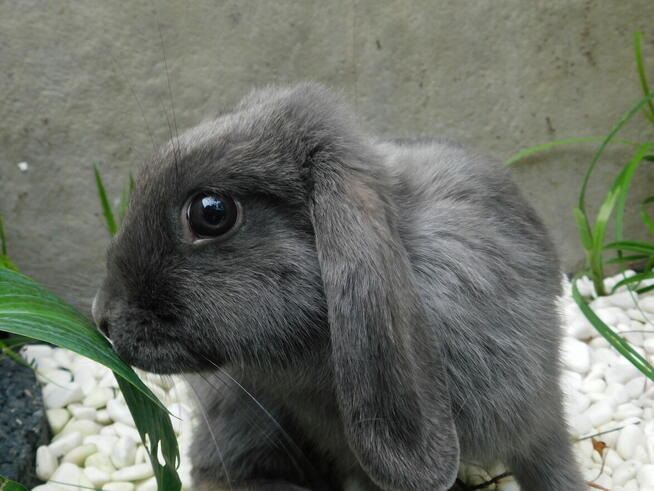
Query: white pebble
x,y
647,303
108,381
123,453
63,357
617,393
34,352
599,413
580,425
84,426
122,429
98,397
57,418
79,454
635,387
149,484
645,475
118,486
70,474
58,396
575,355
621,372
108,430
133,473
628,410
97,476
65,443
82,412
47,487
593,386
625,472
630,437
648,344
86,381
102,417
55,376
119,412
104,442
101,461
46,463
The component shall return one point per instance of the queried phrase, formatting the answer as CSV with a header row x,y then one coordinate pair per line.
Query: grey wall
x,y
498,75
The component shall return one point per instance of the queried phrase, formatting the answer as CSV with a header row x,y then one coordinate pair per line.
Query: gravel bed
x,y
609,405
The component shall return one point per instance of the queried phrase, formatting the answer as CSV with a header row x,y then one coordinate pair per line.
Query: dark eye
x,y
210,215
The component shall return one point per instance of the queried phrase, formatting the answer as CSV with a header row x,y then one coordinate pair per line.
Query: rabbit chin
x,y
165,357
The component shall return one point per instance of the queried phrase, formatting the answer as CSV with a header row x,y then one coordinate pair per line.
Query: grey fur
x,y
392,305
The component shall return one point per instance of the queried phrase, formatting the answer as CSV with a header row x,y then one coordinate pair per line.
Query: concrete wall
x,y
499,75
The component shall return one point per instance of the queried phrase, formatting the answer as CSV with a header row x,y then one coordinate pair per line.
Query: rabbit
x,y
349,311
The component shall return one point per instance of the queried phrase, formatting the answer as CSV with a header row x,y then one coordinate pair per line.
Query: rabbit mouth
x,y
164,356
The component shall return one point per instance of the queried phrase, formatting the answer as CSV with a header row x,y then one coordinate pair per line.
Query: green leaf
x,y
625,259
630,114
9,485
645,289
104,201
623,183
584,229
124,200
637,278
617,341
29,309
546,146
642,74
5,262
633,246
649,223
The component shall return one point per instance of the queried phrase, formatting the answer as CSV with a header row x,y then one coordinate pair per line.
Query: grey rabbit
x,y
354,311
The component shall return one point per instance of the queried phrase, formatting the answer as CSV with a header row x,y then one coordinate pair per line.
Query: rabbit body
x,y
390,311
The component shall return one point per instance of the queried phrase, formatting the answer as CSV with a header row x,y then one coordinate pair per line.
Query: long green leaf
x,y
633,246
28,309
9,485
649,223
617,341
4,256
637,278
546,146
630,114
624,185
638,41
104,202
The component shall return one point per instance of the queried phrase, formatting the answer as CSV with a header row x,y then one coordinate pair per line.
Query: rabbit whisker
x,y
295,447
213,437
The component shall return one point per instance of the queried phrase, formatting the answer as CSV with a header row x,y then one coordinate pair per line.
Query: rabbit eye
x,y
210,215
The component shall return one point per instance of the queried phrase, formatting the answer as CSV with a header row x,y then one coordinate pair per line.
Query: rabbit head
x,y
266,237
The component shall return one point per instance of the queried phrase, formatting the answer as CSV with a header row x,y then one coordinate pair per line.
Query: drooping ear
x,y
390,381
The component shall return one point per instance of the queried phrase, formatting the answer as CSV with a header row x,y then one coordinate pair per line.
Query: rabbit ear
x,y
389,378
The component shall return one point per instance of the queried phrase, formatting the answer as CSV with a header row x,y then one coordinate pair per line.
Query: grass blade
x,y
625,259
545,146
104,202
29,309
637,278
5,262
638,41
124,199
617,341
630,114
649,223
633,246
9,485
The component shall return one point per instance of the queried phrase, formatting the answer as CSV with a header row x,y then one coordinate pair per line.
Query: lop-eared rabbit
x,y
352,310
